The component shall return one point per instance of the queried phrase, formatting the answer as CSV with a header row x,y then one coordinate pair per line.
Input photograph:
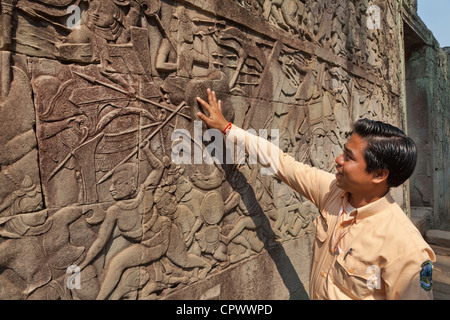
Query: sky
x,y
435,14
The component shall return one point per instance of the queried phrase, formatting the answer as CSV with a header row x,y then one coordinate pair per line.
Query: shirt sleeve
x,y
409,277
310,182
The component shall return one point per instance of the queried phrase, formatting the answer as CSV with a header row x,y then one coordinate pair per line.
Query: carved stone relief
x,y
91,205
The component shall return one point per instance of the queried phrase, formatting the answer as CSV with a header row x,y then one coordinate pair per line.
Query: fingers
x,y
214,117
204,104
212,98
203,117
212,105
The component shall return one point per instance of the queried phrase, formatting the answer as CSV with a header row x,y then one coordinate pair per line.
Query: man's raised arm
x,y
309,182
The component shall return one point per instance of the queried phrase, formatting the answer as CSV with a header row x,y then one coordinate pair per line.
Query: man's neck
x,y
358,201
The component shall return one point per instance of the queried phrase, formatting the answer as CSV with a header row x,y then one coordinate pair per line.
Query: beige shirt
x,y
374,252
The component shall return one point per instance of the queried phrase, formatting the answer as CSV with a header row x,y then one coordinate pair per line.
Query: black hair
x,y
389,148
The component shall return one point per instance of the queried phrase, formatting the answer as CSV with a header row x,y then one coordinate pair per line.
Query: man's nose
x,y
340,160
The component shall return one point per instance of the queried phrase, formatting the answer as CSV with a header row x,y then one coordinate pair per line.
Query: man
x,y
365,246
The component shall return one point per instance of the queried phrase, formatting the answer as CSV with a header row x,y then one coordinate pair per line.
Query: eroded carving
x,y
91,205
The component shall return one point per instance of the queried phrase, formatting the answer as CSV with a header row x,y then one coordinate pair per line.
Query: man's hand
x,y
216,120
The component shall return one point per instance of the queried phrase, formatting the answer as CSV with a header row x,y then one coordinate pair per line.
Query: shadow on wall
x,y
255,219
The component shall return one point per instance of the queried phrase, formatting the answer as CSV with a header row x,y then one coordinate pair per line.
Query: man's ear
x,y
380,175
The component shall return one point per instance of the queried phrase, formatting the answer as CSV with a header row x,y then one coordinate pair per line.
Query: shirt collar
x,y
371,208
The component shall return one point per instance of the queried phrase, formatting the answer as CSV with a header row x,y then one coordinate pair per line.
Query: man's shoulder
x,y
403,234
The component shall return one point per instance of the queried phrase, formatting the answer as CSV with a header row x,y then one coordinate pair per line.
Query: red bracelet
x,y
228,127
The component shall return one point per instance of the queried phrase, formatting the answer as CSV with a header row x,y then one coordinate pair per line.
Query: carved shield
x,y
212,208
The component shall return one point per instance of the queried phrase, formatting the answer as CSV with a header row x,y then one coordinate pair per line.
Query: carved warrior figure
x,y
177,52
253,217
106,23
133,210
149,234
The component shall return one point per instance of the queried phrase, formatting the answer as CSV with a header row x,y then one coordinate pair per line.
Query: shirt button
x,y
351,271
317,295
322,274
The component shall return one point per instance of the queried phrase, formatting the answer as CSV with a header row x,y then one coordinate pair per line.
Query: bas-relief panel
x,y
91,205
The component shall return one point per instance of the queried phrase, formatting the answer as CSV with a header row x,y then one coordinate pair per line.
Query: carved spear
x,y
149,137
95,81
72,153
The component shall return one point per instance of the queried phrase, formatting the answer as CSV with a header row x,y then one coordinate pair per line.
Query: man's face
x,y
102,13
351,167
167,205
123,185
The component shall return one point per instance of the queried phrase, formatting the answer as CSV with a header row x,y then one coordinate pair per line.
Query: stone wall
x,y
87,115
428,107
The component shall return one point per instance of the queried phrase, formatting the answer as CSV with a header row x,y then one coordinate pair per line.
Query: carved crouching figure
x,y
132,217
